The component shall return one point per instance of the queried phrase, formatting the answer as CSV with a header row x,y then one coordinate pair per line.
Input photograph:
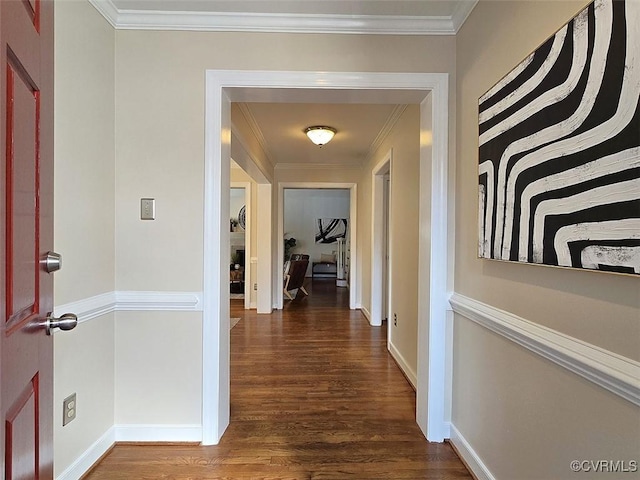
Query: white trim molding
x,y
159,301
318,166
89,308
462,12
126,19
89,457
618,374
431,91
129,433
469,455
407,371
381,241
385,131
104,303
158,433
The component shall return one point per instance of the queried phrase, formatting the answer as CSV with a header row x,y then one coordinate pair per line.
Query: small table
x,y
328,269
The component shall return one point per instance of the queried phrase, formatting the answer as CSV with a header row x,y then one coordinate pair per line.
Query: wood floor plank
x,y
314,396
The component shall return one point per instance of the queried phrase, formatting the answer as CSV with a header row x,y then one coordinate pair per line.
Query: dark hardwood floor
x,y
314,395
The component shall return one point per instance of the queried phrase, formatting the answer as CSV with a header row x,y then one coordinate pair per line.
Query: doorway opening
x,y
240,274
339,198
430,91
316,223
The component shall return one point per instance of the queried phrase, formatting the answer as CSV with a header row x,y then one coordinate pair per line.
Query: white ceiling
x,y
360,127
279,116
279,126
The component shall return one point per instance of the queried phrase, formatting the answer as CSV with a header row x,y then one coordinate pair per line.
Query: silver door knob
x,y
52,262
67,321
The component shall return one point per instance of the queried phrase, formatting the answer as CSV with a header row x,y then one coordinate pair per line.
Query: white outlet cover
x,y
147,209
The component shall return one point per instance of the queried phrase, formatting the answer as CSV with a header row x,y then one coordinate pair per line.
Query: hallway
x,y
314,395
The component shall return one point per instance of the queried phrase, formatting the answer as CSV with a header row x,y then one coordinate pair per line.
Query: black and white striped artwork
x,y
329,230
559,148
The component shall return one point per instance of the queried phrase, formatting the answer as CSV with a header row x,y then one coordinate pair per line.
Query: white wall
x,y
404,142
160,137
84,222
524,416
302,209
170,347
141,134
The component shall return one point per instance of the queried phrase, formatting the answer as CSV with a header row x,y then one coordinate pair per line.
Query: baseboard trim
x,y
618,374
158,433
407,371
366,313
447,430
90,457
469,456
130,433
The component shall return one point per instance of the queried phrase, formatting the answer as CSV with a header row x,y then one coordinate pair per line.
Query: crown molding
x,y
385,131
316,166
255,129
284,22
462,12
108,10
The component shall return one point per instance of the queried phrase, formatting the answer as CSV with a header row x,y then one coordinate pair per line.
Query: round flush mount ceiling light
x,y
320,135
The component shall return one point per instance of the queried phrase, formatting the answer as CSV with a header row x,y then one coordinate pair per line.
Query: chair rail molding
x,y
121,301
618,374
89,308
151,301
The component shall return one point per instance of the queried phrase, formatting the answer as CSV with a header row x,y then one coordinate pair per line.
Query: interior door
x,y
26,45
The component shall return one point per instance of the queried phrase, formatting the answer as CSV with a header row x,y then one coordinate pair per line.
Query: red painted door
x,y
26,179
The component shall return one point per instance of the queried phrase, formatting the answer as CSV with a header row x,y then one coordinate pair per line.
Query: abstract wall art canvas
x,y
559,148
329,230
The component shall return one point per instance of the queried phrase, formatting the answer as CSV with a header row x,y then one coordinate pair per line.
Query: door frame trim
x,y
377,233
436,220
